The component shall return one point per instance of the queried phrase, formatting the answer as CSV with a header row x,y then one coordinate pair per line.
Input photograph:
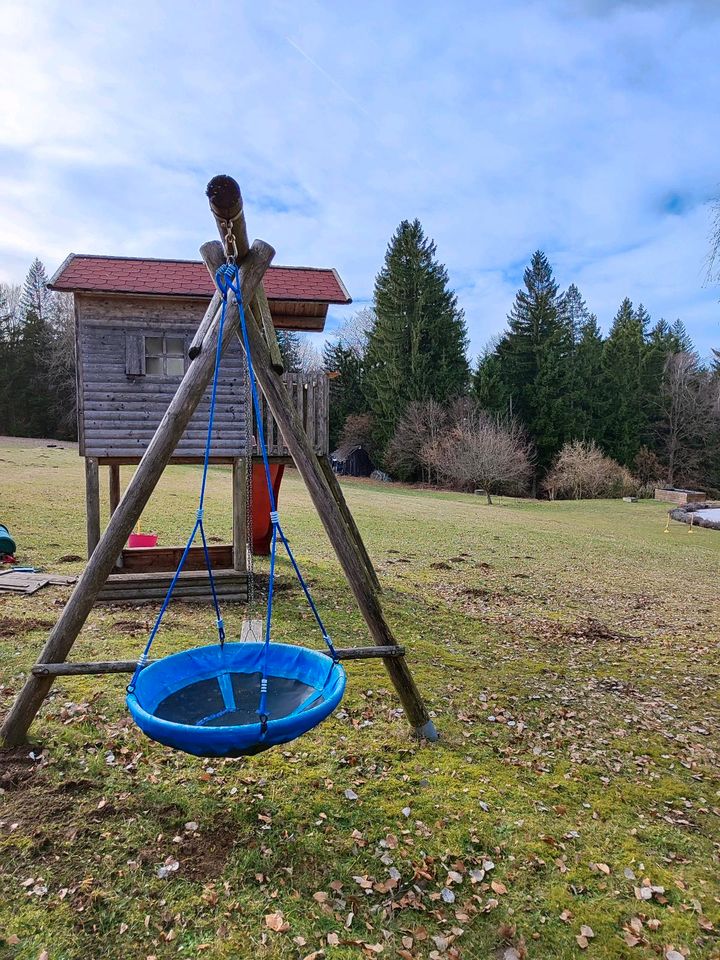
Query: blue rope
x,y
198,523
228,278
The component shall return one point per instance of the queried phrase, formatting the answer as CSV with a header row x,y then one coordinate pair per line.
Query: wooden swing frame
x,y
227,208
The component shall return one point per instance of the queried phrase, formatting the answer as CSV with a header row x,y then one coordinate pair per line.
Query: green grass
x,y
568,652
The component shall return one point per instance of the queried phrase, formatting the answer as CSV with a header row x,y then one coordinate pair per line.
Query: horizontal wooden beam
x,y
128,666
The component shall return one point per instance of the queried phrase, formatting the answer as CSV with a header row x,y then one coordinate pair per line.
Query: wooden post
x,y
156,457
128,666
328,510
239,513
336,490
114,487
227,207
92,503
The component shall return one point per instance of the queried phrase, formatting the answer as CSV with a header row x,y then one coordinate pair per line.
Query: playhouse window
x,y
165,356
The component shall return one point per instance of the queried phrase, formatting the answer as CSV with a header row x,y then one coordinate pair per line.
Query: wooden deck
x,y
192,585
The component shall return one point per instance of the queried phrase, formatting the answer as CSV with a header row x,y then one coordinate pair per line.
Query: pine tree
x,y
348,395
489,386
36,299
534,356
289,343
417,344
590,386
624,359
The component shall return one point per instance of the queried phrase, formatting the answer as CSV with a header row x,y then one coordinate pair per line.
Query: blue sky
x,y
589,128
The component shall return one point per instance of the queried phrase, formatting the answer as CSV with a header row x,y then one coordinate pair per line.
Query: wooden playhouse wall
x,y
118,411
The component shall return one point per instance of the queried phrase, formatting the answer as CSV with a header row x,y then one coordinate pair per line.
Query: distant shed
x,y
352,460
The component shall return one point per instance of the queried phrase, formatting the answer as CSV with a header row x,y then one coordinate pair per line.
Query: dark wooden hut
x,y
352,460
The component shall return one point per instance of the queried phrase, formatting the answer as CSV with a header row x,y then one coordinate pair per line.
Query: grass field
x,y
569,653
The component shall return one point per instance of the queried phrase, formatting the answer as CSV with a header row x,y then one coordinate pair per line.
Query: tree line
x,y
37,359
402,383
640,397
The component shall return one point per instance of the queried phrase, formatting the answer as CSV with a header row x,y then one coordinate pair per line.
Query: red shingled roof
x,y
189,278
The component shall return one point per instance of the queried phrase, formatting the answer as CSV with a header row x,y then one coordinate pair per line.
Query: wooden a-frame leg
x,y
329,511
177,416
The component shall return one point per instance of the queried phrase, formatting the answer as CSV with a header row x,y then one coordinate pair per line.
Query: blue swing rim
x,y
240,739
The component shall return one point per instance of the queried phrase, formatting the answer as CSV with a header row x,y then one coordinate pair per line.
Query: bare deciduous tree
x,y
581,471
482,450
422,425
690,404
61,364
358,431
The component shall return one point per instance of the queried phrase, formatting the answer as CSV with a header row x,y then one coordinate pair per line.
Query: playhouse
x,y
135,322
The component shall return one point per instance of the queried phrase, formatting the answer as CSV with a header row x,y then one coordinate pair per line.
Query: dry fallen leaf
x,y
276,922
586,931
582,942
498,887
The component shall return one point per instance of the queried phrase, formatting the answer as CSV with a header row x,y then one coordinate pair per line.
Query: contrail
x,y
327,76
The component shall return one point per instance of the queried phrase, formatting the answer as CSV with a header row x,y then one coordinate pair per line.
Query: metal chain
x,y
231,250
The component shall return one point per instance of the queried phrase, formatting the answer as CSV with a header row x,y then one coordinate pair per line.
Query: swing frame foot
x,y
427,731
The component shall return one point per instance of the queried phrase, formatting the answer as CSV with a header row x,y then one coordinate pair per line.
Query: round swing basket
x,y
204,701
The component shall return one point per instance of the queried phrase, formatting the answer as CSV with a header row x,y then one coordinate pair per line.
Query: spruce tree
x,y
534,356
591,394
417,344
348,395
624,364
489,385
289,343
36,299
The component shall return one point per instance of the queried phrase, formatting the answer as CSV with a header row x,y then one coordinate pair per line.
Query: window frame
x,y
164,356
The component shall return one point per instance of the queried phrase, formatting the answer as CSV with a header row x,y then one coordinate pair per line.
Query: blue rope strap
x,y
198,523
228,280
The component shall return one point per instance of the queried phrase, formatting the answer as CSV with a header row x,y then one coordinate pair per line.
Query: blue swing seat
x,y
204,701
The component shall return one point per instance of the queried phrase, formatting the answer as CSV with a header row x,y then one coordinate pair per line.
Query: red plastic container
x,y
262,527
142,540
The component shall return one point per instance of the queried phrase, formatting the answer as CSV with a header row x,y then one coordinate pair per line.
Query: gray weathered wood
x,y
336,490
239,514
92,503
128,666
144,481
330,514
226,206
121,411
114,487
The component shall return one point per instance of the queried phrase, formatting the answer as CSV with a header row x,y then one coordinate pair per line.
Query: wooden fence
x,y
311,399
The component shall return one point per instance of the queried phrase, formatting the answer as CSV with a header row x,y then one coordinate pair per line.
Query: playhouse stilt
x,y
336,526
114,487
92,503
127,514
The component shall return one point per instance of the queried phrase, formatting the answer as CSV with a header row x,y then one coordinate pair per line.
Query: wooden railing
x,y
310,395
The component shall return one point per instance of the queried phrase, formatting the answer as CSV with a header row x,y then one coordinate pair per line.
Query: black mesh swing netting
x,y
202,703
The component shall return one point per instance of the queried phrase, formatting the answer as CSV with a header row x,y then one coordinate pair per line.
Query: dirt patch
x,y
201,855
16,767
440,565
130,626
477,592
70,558
13,626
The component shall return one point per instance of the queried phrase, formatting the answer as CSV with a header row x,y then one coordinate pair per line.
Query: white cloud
x,y
572,127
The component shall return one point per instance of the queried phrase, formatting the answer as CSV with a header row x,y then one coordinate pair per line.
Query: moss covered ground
x,y
569,654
